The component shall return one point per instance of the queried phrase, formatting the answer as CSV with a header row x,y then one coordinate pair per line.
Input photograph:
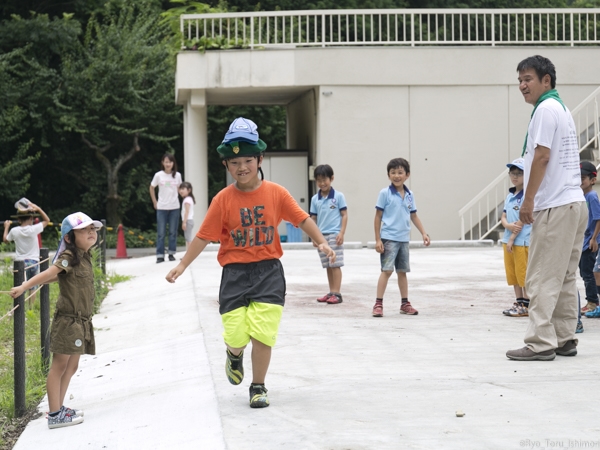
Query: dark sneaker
x,y
234,367
71,411
334,299
525,354
579,328
159,260
324,298
378,310
171,257
519,311
63,420
569,349
258,396
407,308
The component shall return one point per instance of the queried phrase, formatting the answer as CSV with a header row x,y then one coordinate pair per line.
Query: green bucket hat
x,y
234,149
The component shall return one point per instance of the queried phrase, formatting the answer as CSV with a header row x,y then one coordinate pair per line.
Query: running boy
x,y
515,241
244,218
26,237
590,237
328,209
395,210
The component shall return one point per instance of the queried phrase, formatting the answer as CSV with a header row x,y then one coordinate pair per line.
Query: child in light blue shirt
x,y
587,262
515,241
395,210
328,209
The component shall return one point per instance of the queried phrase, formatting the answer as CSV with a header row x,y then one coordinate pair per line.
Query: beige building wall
x,y
455,113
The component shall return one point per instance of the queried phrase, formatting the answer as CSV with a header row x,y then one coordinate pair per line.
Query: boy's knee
x,y
259,345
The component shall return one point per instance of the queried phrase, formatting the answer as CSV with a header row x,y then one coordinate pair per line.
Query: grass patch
x,y
35,387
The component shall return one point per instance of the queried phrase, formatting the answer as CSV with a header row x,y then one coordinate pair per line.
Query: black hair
x,y
396,163
542,66
187,185
70,245
324,170
171,158
22,219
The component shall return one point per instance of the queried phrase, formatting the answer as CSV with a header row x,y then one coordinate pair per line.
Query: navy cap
x,y
588,168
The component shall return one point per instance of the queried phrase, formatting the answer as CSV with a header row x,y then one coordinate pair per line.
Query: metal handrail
x,y
587,122
358,27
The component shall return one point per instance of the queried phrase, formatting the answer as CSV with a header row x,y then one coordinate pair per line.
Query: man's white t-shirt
x,y
552,126
187,201
167,189
26,241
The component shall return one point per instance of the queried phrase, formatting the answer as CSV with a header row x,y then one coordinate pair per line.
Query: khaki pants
x,y
556,245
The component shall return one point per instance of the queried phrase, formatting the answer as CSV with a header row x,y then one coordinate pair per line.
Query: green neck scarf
x,y
552,93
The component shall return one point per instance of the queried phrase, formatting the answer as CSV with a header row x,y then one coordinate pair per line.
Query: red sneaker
x,y
378,310
324,298
334,299
407,308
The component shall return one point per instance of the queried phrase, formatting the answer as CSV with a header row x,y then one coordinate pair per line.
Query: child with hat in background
x,y
591,238
244,218
515,241
72,332
25,237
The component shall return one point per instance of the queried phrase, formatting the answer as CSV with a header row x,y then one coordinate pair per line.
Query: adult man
x,y
555,205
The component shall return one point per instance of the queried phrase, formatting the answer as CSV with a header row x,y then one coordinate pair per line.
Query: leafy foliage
x,y
119,86
86,83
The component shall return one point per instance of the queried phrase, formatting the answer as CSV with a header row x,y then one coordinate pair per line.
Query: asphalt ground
x,y
339,378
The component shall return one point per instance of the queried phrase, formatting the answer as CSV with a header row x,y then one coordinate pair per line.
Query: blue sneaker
x,y
579,328
595,314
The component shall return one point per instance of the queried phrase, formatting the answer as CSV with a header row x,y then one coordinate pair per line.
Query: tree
x,y
29,55
119,87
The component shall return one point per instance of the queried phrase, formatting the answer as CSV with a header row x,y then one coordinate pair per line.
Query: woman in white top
x,y
167,206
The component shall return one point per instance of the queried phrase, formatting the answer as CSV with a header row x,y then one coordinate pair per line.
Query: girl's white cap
x,y
75,221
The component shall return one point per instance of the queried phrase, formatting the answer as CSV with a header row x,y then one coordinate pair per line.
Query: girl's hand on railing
x,y
16,291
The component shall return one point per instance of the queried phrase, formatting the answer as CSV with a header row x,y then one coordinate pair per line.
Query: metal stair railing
x,y
406,27
478,218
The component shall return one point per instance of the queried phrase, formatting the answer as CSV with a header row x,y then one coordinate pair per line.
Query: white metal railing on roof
x,y
481,216
410,27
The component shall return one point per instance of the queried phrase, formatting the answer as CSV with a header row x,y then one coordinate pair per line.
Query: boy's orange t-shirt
x,y
246,222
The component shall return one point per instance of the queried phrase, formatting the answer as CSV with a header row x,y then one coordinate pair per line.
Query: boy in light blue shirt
x,y
516,241
395,210
591,239
328,209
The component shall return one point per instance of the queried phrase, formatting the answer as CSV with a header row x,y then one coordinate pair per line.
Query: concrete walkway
x,y
339,378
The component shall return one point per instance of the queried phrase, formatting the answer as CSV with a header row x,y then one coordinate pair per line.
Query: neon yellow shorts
x,y
257,320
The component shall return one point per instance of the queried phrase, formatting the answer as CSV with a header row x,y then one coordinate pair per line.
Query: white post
x,y
195,152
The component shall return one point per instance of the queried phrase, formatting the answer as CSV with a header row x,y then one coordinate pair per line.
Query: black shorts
x,y
241,283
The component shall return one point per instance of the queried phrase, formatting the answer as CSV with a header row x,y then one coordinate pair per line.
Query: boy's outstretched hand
x,y
175,273
325,248
426,240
